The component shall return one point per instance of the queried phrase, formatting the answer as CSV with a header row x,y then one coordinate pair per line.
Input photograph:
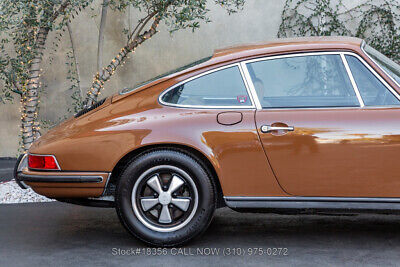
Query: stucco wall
x,y
257,22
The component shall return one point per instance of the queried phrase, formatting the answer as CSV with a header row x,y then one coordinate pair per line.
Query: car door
x,y
328,124
216,115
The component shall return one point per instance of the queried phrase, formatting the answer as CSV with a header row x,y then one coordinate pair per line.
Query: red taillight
x,y
42,162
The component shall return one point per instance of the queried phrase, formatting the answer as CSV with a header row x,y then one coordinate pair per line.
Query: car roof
x,y
287,45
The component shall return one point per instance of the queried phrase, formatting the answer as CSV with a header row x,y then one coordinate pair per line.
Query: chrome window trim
x,y
363,44
299,54
351,77
311,108
334,108
47,155
250,85
381,107
238,65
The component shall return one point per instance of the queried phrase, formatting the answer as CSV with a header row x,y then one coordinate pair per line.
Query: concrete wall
x,y
257,22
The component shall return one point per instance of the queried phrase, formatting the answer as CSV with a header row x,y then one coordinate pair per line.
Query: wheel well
x,y
110,190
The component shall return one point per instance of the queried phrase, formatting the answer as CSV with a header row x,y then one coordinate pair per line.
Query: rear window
x,y
222,88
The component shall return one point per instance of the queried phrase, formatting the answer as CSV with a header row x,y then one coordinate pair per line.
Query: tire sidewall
x,y
205,189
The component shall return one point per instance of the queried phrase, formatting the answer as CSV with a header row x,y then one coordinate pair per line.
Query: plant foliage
x,y
375,21
20,24
24,29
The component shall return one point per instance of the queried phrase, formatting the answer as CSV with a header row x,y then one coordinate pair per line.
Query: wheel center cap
x,y
164,198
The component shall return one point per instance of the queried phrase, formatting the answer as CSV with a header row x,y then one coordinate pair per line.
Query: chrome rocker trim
x,y
349,204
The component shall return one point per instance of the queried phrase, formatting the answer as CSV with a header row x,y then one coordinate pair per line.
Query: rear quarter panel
x,y
97,141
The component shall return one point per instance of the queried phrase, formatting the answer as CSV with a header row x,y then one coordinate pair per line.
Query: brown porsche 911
x,y
295,125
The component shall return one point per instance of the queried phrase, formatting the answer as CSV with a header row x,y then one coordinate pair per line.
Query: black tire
x,y
139,222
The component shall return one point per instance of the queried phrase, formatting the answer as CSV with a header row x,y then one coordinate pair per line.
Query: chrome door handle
x,y
269,128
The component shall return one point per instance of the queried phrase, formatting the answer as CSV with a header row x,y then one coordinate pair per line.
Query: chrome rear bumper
x,y
58,178
22,163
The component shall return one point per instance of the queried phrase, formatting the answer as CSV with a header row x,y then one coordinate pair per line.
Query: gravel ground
x,y
10,192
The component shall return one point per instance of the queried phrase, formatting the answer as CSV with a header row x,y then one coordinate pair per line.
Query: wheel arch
x,y
194,153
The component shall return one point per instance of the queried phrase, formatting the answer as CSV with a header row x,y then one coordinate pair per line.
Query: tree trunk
x,y
71,37
30,98
100,44
30,125
117,61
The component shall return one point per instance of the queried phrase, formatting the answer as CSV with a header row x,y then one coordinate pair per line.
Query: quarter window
x,y
220,88
303,81
372,91
384,62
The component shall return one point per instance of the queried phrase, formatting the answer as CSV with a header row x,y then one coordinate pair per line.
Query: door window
x,y
220,88
303,81
372,91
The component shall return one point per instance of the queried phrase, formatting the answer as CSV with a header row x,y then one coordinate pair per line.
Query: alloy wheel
x,y
164,198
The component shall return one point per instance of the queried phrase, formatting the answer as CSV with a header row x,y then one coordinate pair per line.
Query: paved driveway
x,y
67,235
